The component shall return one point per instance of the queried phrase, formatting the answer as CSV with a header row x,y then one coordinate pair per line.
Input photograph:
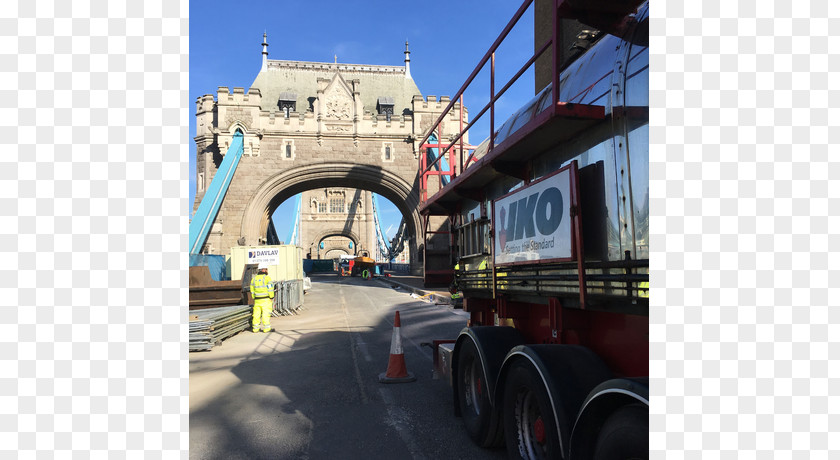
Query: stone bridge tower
x,y
310,126
336,221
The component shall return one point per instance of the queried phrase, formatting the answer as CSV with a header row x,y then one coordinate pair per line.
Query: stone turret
x,y
238,111
204,108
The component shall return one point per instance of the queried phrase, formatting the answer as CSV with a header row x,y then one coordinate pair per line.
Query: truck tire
x,y
529,425
474,398
624,435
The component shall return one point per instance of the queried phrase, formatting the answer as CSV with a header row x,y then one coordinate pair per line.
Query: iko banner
x,y
271,256
533,223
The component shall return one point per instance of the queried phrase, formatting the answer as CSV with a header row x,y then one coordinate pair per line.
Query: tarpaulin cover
x,y
318,266
214,262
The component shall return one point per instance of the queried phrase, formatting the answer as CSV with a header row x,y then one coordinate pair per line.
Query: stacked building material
x,y
208,293
208,327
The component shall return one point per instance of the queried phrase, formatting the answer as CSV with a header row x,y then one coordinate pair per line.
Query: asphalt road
x,y
310,389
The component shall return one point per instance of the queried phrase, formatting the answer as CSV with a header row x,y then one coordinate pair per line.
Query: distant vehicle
x,y
361,263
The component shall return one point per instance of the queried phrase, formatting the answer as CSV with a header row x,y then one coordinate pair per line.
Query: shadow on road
x,y
318,396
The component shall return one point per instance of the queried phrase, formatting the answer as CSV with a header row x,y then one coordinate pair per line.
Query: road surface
x,y
310,389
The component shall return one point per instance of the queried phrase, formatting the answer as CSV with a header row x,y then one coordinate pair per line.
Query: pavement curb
x,y
435,297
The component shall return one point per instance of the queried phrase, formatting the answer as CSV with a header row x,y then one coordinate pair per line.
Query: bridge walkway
x,y
438,294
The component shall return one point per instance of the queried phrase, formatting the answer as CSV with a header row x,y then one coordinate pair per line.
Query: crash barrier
x,y
288,297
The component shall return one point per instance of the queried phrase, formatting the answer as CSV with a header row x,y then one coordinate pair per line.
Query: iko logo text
x,y
539,212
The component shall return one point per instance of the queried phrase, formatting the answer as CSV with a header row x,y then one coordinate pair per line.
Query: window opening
x,y
337,205
287,103
386,107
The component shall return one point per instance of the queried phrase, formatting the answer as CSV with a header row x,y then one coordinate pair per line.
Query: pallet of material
x,y
210,326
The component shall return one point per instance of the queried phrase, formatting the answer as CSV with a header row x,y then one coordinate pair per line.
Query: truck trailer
x,y
547,223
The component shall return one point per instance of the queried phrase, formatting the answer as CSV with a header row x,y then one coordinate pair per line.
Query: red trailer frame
x,y
555,355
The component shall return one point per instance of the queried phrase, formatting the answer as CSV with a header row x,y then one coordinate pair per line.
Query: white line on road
x,y
353,350
354,332
399,419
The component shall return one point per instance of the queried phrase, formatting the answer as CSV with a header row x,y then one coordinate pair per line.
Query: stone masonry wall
x,y
332,133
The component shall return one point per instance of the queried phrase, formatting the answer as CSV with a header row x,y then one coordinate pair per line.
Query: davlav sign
x,y
533,223
271,256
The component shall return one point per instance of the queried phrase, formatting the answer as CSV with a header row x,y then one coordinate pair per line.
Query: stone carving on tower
x,y
338,104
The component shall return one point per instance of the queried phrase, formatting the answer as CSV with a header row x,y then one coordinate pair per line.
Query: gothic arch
x,y
287,183
337,251
353,236
237,125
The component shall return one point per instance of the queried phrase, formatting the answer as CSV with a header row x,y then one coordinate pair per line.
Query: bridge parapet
x,y
238,111
238,96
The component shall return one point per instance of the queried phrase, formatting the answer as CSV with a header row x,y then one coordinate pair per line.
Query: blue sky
x,y
446,38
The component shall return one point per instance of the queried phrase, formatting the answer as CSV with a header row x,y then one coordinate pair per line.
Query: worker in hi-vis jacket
x,y
262,290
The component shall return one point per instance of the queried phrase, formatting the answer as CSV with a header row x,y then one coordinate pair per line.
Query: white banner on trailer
x,y
533,223
271,256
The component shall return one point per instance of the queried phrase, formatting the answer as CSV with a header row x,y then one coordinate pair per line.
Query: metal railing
x,y
288,298
399,268
425,165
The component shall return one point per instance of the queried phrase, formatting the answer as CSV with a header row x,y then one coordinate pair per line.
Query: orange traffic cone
x,y
396,372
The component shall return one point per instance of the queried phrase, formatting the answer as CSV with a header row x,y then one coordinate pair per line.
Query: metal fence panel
x,y
288,297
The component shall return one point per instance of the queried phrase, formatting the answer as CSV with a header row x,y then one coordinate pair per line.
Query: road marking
x,y
405,328
354,331
362,346
353,353
399,419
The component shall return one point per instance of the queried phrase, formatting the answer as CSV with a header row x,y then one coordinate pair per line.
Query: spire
x,y
264,53
407,61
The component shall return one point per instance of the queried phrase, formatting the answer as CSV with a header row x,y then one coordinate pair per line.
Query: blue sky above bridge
x,y
447,40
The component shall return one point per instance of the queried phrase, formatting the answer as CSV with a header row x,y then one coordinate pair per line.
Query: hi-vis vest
x,y
644,287
262,287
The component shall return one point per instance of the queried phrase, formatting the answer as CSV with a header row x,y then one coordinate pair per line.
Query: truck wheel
x,y
624,435
474,398
529,423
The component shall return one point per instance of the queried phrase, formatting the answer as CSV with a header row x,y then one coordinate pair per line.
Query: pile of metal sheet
x,y
208,327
